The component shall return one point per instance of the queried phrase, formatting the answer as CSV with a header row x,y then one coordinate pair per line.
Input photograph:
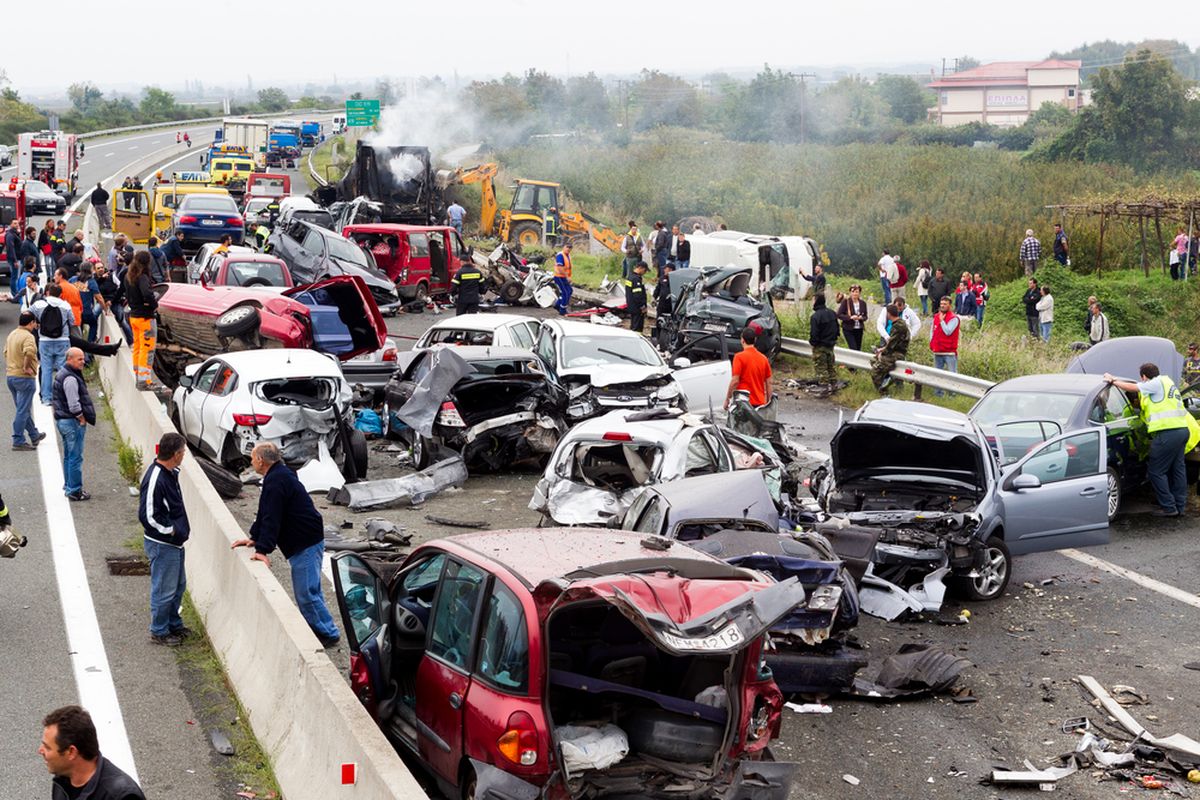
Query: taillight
x,y
389,354
519,743
360,681
187,219
251,420
449,416
617,436
234,221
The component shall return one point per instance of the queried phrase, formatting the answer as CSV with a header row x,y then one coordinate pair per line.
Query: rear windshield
x,y
319,218
215,205
244,273
458,337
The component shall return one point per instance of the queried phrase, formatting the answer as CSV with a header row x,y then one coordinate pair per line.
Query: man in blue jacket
x,y
288,519
165,530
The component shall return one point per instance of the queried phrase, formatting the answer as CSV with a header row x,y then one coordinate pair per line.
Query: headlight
x,y
670,392
579,390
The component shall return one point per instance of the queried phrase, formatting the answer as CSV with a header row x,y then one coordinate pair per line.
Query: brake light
x,y
519,744
251,420
360,681
616,436
389,354
449,416
187,219
234,221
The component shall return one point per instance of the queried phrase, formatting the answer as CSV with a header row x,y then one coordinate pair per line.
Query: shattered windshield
x,y
590,351
343,250
996,407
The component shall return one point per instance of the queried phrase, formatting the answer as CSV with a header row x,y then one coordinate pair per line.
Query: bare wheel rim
x,y
1114,494
235,315
993,573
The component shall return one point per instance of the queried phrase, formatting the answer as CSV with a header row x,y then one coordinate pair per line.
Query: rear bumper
x,y
805,670
371,374
197,236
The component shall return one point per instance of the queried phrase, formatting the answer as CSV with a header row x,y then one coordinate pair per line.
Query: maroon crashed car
x,y
337,316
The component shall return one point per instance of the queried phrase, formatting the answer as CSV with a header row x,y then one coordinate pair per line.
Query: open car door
x,y
362,599
1057,495
131,213
346,320
704,385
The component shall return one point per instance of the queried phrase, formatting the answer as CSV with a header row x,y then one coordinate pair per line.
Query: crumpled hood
x,y
609,374
720,308
572,503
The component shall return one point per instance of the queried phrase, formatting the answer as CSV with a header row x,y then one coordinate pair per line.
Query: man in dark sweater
x,y
288,519
71,750
939,287
165,529
823,335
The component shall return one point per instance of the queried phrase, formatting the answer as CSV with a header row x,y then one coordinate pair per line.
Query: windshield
x,y
588,351
343,250
996,407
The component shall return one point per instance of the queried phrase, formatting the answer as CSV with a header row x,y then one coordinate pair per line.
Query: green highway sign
x,y
362,113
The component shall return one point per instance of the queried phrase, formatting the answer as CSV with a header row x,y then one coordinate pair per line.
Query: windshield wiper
x,y
622,356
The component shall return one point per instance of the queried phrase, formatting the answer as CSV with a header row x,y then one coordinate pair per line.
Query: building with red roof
x,y
1005,93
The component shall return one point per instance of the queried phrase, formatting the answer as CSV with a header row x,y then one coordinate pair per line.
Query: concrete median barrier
x,y
301,709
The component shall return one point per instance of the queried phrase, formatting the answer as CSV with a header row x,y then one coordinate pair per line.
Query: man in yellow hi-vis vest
x,y
1171,430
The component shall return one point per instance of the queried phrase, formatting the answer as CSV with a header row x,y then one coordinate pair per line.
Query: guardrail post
x,y
916,391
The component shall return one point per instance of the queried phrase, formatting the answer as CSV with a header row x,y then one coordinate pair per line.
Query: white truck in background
x,y
248,133
339,124
767,255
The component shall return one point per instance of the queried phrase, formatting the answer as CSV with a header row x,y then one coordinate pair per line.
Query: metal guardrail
x,y
920,374
184,122
313,170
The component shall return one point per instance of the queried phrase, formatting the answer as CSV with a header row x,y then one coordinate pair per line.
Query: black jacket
x,y
662,240
141,297
109,783
12,246
173,251
939,288
160,509
58,396
286,517
683,250
467,281
70,263
99,197
635,292
29,248
823,328
662,297
1031,298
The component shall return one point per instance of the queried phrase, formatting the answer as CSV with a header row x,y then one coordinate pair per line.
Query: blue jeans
x,y
53,354
1167,470
457,225
564,294
946,362
22,390
1046,326
979,315
924,304
72,438
887,291
306,585
14,272
683,264
168,579
627,266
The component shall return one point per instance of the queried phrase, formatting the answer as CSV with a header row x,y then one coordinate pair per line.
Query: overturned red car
x,y
546,663
337,316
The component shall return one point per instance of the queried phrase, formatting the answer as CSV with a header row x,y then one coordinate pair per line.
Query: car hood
x,y
610,374
897,451
721,614
1124,356
741,313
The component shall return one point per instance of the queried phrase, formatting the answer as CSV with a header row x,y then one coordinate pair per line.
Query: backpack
x,y
51,323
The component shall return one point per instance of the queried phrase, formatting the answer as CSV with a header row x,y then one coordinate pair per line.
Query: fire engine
x,y
49,157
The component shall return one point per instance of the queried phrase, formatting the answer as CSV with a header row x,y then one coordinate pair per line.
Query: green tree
x,y
546,96
587,103
906,99
84,96
769,109
850,110
664,100
158,105
273,99
966,62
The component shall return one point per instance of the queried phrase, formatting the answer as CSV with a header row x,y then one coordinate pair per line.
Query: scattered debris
x,y
384,530
1045,779
409,490
810,708
1129,696
850,779
220,742
915,669
456,523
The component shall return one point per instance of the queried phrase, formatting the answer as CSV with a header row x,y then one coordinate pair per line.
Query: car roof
x,y
479,322
275,362
395,227
534,555
485,352
570,327
243,255
1058,382
663,429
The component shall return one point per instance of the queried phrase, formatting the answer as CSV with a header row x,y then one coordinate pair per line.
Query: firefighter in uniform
x,y
1172,433
468,281
892,351
635,297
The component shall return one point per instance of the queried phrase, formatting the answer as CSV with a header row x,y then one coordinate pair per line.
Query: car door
x,y
131,213
547,352
214,408
704,385
363,603
1128,442
444,675
1065,500
193,402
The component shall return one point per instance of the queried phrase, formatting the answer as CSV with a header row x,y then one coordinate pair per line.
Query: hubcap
x,y
993,572
1114,495
237,314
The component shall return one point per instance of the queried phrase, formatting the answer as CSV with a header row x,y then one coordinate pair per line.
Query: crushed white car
x,y
296,399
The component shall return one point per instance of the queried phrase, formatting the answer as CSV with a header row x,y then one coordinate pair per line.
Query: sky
x,y
136,43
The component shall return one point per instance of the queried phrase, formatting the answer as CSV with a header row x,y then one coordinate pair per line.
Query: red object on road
x,y
349,774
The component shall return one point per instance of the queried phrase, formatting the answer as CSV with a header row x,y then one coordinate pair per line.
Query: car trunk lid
x,y
896,452
346,320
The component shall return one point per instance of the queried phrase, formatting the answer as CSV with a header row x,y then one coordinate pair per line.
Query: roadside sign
x,y
362,113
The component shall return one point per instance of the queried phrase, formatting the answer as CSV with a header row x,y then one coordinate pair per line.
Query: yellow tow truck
x,y
132,208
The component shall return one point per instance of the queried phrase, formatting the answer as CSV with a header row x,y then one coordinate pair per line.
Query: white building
x,y
1005,93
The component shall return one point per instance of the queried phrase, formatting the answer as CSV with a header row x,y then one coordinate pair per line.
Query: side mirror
x,y
1025,481
185,381
681,363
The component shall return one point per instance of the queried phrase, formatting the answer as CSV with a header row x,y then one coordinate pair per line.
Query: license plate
x,y
715,327
724,639
213,222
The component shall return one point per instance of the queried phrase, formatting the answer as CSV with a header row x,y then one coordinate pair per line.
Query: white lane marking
x,y
110,155
135,147
89,660
1165,589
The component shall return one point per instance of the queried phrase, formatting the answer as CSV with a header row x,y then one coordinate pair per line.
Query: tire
x,y
225,482
468,785
421,450
257,282
422,293
359,452
527,234
512,291
674,737
994,574
237,322
1116,493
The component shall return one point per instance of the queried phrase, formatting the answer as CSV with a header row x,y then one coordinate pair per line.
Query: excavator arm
x,y
484,175
583,224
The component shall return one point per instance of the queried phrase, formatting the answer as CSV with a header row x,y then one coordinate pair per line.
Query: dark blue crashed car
x,y
732,516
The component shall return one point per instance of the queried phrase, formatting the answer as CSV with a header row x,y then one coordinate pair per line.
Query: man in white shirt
x,y
888,274
907,314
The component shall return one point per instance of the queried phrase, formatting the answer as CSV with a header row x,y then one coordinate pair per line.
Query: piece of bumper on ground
x,y
805,671
409,490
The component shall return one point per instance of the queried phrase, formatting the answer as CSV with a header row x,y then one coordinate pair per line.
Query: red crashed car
x,y
541,663
337,316
420,259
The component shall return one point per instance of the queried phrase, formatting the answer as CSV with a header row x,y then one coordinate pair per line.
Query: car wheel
x,y
420,449
527,234
225,482
468,785
237,321
512,291
422,292
1115,493
993,575
359,452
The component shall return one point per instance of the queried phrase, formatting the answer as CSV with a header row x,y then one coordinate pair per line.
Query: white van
x,y
767,255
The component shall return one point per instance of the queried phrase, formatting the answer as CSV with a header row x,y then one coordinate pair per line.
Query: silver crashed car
x,y
933,483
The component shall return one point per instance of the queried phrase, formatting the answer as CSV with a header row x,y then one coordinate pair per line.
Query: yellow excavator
x,y
534,217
